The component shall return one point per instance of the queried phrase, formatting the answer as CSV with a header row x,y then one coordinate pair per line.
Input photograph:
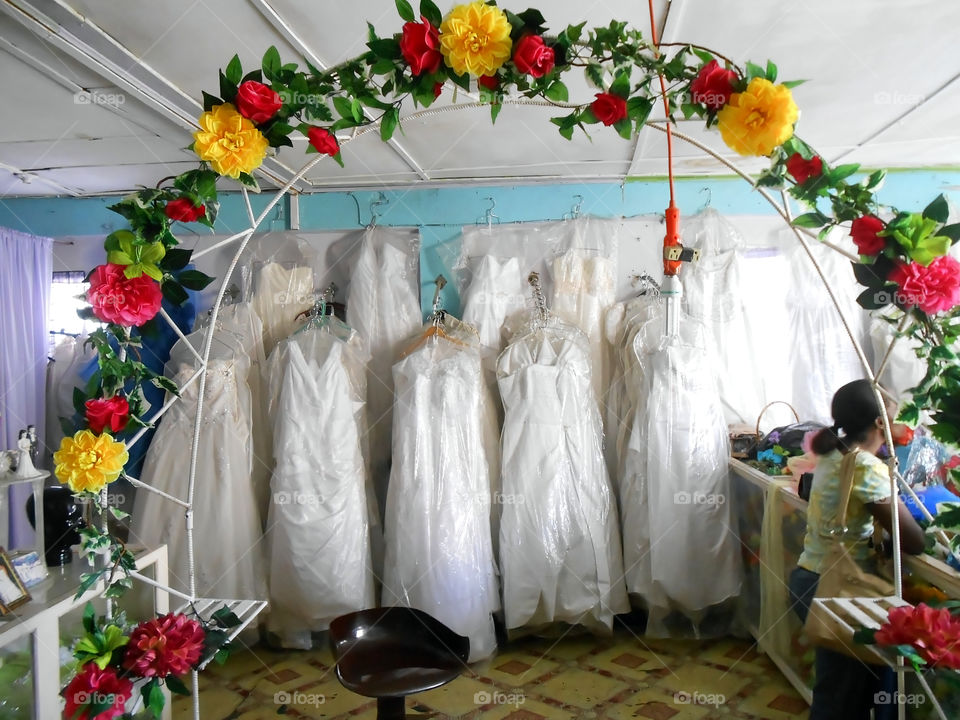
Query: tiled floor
x,y
576,677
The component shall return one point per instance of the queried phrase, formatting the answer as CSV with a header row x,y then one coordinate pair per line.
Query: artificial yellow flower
x,y
229,142
475,39
87,462
759,119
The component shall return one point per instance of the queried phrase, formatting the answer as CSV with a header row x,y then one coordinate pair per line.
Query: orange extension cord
x,y
672,237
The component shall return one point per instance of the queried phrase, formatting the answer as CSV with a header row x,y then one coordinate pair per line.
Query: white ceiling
x,y
883,89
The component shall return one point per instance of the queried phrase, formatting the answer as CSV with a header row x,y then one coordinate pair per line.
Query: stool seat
x,y
389,653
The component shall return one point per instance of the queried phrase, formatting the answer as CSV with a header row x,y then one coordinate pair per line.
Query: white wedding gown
x,y
384,310
318,529
229,558
560,553
439,550
280,294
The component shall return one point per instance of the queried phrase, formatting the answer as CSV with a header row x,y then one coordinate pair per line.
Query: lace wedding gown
x,y
318,529
560,552
439,551
281,294
228,555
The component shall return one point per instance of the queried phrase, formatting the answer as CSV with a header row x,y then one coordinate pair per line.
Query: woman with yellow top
x,y
846,688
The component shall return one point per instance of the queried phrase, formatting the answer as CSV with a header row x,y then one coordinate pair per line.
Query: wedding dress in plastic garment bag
x,y
821,357
439,551
241,320
318,532
280,294
382,306
495,293
584,287
560,554
694,555
228,555
711,293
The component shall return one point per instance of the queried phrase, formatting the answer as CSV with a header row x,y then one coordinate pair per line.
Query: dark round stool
x,y
389,653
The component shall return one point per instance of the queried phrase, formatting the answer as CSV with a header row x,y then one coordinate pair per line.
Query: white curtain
x,y
26,270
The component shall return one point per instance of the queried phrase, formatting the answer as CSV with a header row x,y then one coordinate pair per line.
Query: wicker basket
x,y
744,442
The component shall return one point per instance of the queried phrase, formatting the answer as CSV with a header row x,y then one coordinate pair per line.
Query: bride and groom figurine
x,y
20,460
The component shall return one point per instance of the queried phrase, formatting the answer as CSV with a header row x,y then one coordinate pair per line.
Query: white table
x,y
40,619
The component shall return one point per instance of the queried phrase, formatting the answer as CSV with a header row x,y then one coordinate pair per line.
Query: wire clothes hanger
x,y
319,316
541,315
576,210
436,323
380,201
488,216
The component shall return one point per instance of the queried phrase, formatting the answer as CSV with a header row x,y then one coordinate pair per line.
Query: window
x,y
67,296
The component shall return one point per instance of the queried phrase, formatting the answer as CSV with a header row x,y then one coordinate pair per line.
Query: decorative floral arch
x,y
507,58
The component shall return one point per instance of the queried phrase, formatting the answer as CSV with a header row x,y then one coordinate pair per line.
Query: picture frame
x,y
13,593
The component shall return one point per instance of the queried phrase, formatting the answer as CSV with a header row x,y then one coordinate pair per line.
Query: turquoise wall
x,y
441,212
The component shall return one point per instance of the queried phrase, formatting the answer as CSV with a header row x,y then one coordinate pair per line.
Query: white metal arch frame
x,y
248,610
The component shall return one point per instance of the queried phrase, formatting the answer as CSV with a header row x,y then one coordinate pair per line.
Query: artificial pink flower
x,y
933,288
121,300
95,687
933,633
169,645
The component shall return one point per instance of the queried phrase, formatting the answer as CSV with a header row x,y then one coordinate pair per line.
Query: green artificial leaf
x,y
210,101
621,85
792,83
874,180
89,619
916,233
842,171
176,259
950,231
174,293
118,513
431,12
495,109
864,636
176,686
624,128
938,210
771,72
194,279
87,581
271,63
249,181
755,71
811,220
234,71
225,617
228,90
639,109
221,656
406,11
874,299
704,56
153,697
387,48
388,123
942,352
557,92
343,107
594,73
909,414
460,80
255,75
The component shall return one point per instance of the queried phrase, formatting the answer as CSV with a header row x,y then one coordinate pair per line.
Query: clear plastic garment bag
x,y
560,549
439,550
319,528
229,556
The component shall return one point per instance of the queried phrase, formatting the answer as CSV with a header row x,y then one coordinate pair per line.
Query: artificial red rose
x,y
533,56
169,645
490,82
609,108
323,141
107,412
95,687
864,231
934,288
437,89
183,210
802,170
933,633
257,102
902,434
125,301
713,85
420,47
